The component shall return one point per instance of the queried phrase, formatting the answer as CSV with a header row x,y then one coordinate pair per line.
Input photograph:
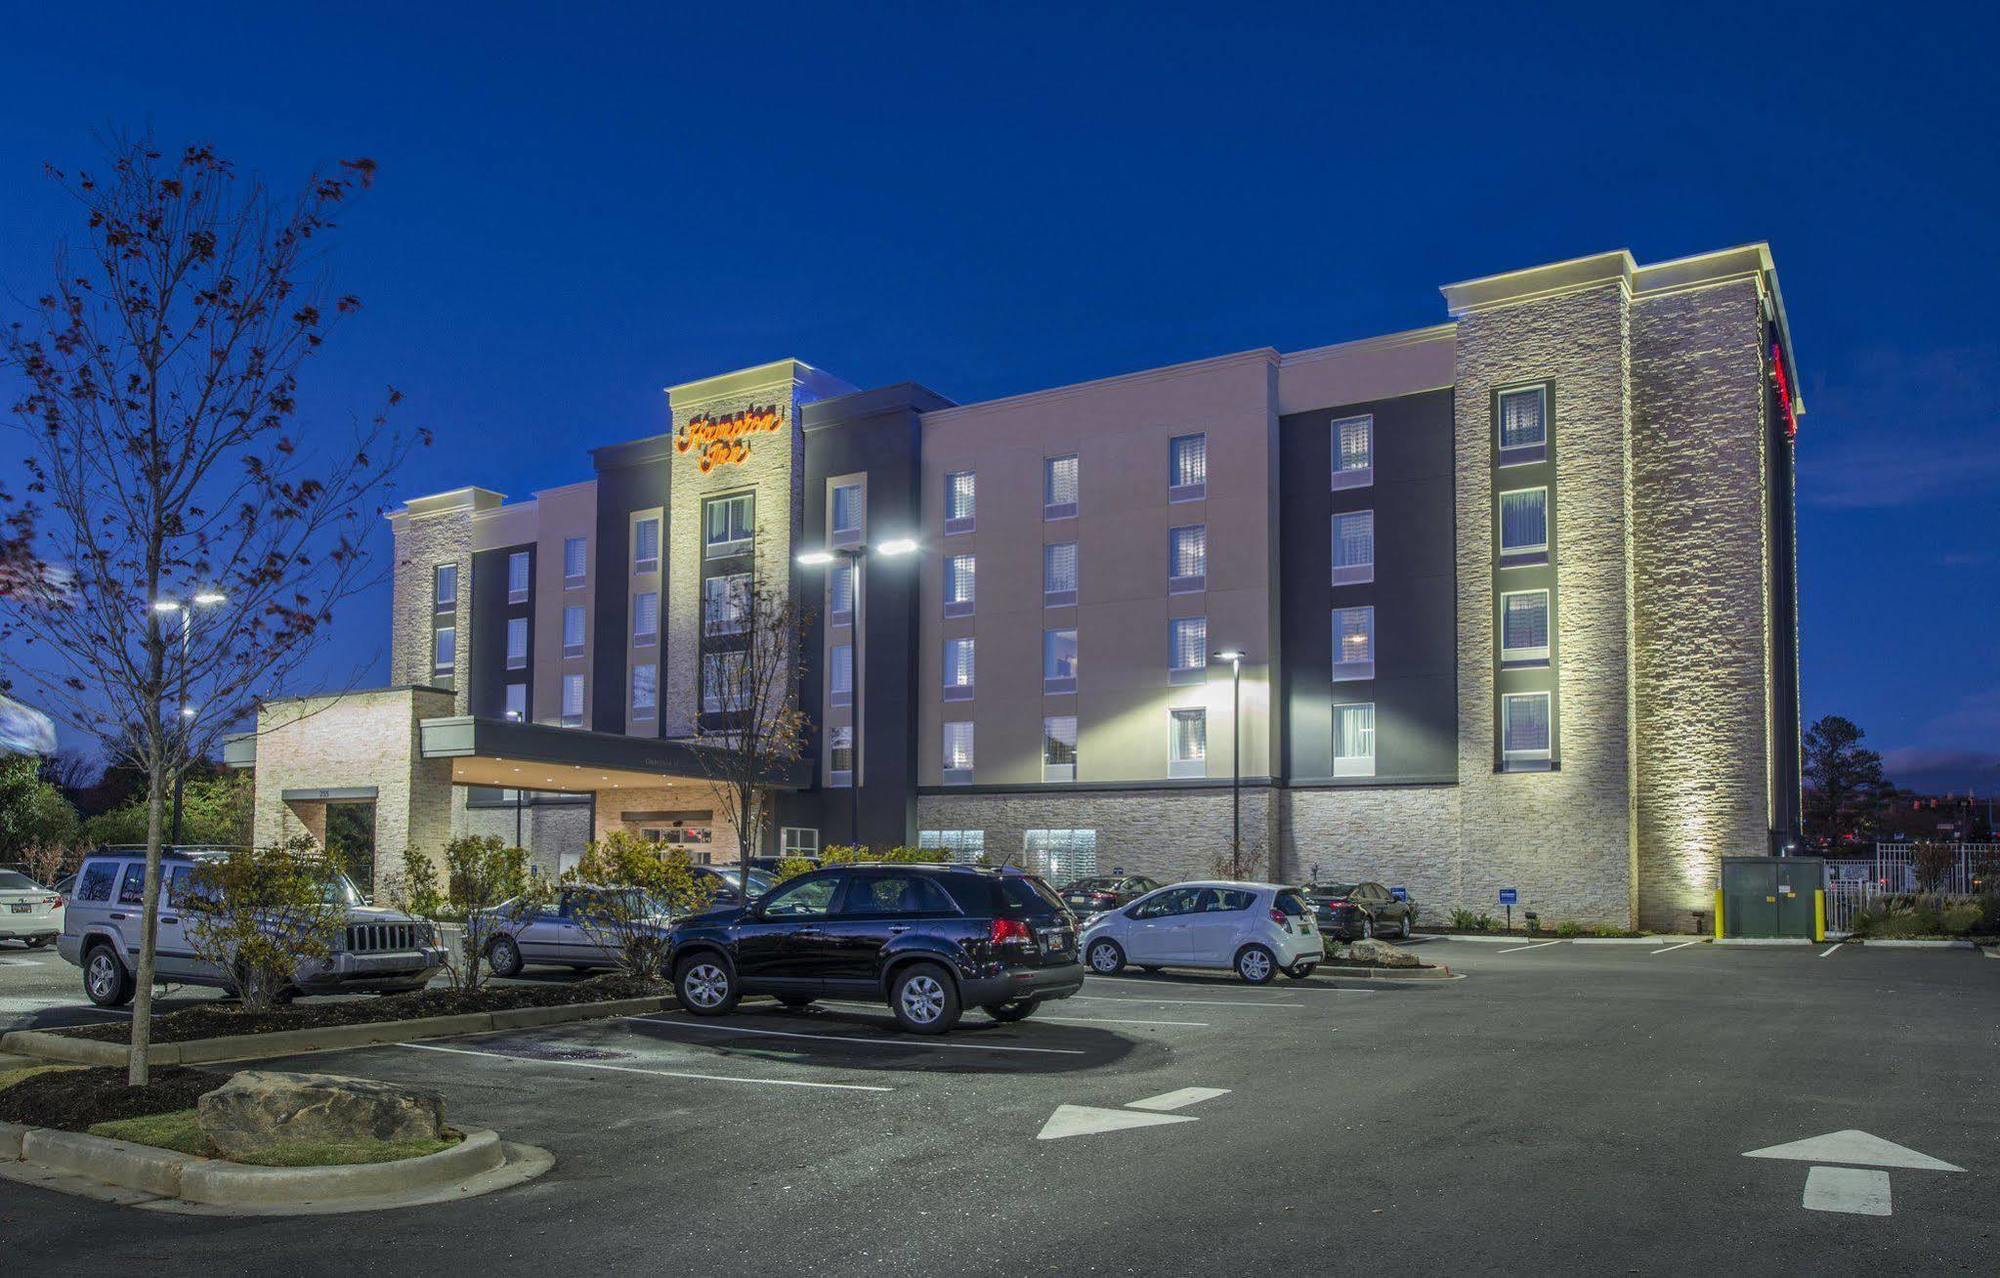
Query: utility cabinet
x,y
1771,895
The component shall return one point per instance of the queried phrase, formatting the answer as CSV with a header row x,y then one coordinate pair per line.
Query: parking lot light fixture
x,y
897,546
1234,656
815,558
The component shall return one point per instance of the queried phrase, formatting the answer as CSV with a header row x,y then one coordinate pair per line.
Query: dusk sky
x,y
579,206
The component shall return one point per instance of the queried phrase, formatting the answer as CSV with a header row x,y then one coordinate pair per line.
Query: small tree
x,y
260,913
1846,792
47,862
485,888
33,812
1932,862
627,888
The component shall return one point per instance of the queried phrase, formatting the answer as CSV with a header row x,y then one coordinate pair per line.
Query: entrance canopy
x,y
533,756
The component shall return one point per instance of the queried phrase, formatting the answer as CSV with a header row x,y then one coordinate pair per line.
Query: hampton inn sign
x,y
721,441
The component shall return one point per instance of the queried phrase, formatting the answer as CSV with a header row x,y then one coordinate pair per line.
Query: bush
x,y
259,913
848,854
789,867
480,874
1467,921
1916,915
1569,929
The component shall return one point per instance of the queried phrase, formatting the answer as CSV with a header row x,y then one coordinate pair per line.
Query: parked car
x,y
28,911
1356,911
562,931
727,881
1086,897
931,940
769,864
378,951
1254,929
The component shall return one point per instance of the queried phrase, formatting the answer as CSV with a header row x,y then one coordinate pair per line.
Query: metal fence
x,y
1852,883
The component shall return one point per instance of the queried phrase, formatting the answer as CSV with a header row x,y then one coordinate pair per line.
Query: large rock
x,y
1382,954
259,1108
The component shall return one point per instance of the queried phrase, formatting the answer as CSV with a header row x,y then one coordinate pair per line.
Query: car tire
x,y
1405,933
37,942
924,999
705,985
105,979
1256,965
1367,928
1300,971
503,955
1018,1010
1105,957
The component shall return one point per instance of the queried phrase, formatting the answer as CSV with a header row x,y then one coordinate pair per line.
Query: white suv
x,y
1255,929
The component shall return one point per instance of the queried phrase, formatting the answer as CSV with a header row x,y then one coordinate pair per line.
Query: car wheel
x,y
705,985
105,979
1106,958
1256,964
1300,971
1405,933
1018,1010
1367,928
37,942
924,999
504,957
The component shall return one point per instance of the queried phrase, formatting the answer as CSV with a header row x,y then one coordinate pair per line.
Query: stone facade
x,y
1164,833
1406,834
428,532
553,834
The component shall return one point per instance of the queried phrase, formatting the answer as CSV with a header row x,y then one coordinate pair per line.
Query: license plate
x,y
1056,940
22,909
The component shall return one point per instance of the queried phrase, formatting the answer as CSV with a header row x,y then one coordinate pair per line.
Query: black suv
x,y
931,940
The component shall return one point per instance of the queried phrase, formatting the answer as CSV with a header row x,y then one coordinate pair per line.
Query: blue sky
x,y
580,205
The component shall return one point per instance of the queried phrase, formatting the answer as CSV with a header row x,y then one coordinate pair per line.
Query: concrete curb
x,y
248,1047
225,1184
1631,940
1915,945
10,1141
1766,940
1479,938
1439,972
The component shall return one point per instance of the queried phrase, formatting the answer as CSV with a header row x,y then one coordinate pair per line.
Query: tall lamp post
x,y
1234,656
853,555
203,599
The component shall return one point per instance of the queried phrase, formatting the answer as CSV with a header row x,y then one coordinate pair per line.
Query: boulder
x,y
260,1108
1382,954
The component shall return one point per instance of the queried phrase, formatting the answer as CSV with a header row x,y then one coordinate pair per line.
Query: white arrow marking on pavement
x,y
1850,1189
1181,1099
1089,1120
1853,1147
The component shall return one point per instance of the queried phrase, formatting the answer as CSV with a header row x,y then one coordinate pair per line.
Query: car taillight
x,y
1278,917
1103,898
1005,930
54,903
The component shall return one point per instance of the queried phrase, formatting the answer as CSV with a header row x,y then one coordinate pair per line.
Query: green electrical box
x,y
1770,895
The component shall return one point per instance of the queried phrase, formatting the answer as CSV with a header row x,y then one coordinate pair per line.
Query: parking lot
x,y
1567,1107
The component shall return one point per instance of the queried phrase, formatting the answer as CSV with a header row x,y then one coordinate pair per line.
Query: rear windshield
x,y
12,882
1024,894
1092,885
1333,889
1292,905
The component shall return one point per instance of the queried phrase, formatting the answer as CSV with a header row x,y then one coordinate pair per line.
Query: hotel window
x,y
960,506
1524,627
576,558
1354,741
1059,748
1524,527
1524,425
517,702
1187,468
1353,547
1525,732
1059,574
840,674
958,752
645,618
1354,452
964,846
645,689
444,588
1354,643
846,514
958,670
517,577
646,546
728,524
1058,487
725,604
1187,559
958,586
1187,744
1060,856
573,631
725,683
572,701
798,840
1187,650
1059,661
444,649
517,643
840,593
840,757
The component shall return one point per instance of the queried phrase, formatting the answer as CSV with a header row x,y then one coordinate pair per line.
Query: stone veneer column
x,y
428,532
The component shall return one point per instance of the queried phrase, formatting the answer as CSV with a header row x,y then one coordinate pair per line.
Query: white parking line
x,y
1299,988
1539,945
1831,948
1180,1098
662,1073
843,1038
1669,948
1185,1002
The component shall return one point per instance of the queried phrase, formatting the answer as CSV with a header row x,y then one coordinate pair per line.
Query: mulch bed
x,y
221,1019
72,1100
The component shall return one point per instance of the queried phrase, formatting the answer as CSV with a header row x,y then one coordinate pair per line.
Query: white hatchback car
x,y
1255,929
28,911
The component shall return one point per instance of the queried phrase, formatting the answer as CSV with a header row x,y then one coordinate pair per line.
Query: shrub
x,y
259,913
1568,929
1916,915
630,886
848,854
480,875
789,867
1467,921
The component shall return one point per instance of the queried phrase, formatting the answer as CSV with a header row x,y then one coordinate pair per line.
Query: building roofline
x,y
452,499
1362,345
817,382
1262,354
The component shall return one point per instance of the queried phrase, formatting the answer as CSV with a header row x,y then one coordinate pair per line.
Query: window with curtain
x,y
645,617
444,648
1525,727
1524,521
1059,484
960,494
847,508
576,559
964,846
444,587
1524,418
958,579
1058,654
1354,740
725,683
958,746
840,588
517,701
1190,736
1187,464
1060,856
517,577
646,546
1187,553
1353,547
840,749
1059,568
840,673
573,631
725,604
1059,741
1353,452
645,686
517,643
1524,626
1353,643
958,663
1188,643
728,525
572,700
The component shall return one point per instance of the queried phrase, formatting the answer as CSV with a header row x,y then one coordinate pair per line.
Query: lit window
x,y
725,683
517,577
1059,661
1354,452
1524,626
645,686
1187,468
847,510
1058,856
1187,648
517,643
957,669
725,604
728,524
1524,425
1354,741
645,617
1188,743
1058,487
1353,547
1059,573
963,846
840,673
1187,558
444,649
798,840
572,700
840,756
575,560
1354,643
1525,731
958,586
958,750
1524,526
573,631
517,702
444,587
840,592
646,546
1059,748
960,506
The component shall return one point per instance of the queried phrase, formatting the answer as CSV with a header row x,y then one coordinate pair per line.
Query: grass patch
x,y
9,1077
75,1100
181,1132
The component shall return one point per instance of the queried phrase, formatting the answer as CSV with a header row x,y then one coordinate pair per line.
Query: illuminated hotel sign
x,y
1784,388
724,441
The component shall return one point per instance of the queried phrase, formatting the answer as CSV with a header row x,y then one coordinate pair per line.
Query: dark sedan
x,y
1086,897
1356,911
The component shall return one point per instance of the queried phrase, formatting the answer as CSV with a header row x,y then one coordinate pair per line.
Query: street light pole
x,y
1235,659
202,599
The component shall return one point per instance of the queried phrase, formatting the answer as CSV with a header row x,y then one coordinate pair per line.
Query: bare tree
x,y
755,736
183,539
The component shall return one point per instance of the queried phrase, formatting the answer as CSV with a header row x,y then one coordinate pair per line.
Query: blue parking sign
x,y
1510,896
1401,894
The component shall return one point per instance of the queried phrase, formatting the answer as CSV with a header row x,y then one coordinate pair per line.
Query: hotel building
x,y
1514,597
